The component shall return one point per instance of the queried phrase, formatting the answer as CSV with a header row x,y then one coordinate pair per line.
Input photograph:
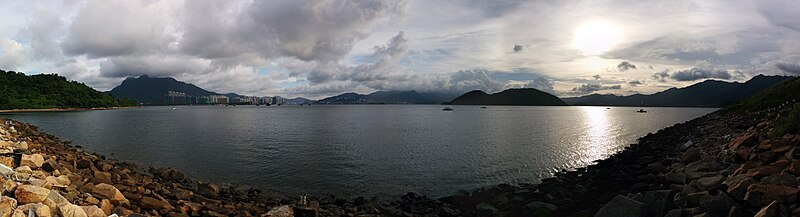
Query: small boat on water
x,y
483,107
447,108
641,111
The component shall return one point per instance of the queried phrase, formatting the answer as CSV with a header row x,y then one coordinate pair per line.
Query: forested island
x,y
50,91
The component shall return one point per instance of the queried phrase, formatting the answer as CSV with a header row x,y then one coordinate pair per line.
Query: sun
x,y
595,37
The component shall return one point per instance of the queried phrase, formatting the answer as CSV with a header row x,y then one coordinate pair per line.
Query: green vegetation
x,y
787,91
788,124
19,91
782,100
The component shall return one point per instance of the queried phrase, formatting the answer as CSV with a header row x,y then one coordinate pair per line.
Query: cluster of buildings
x,y
180,98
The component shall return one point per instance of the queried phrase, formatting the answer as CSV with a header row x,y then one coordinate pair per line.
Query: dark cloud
x,y
591,88
789,67
781,13
634,83
694,74
596,77
625,66
517,48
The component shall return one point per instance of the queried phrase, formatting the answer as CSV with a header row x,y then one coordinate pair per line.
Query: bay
x,y
366,150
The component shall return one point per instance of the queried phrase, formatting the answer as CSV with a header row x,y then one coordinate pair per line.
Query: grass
x,y
788,124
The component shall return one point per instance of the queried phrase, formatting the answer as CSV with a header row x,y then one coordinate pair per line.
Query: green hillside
x,y
20,91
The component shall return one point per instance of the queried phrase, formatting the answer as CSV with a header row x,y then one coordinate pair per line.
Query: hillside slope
x,y
43,91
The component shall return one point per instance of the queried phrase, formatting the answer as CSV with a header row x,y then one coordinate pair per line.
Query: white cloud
x,y
12,54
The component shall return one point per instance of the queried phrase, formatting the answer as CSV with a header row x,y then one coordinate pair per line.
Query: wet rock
x,y
448,212
485,209
760,195
537,208
208,189
737,185
30,194
771,210
33,160
658,202
694,199
691,155
109,192
621,206
675,177
709,183
780,179
167,174
717,205
70,210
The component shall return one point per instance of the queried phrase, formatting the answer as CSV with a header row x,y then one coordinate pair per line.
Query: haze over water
x,y
374,150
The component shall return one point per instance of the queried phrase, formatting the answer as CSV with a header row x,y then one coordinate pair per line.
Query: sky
x,y
320,48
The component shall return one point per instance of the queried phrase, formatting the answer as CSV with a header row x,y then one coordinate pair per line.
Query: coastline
x,y
64,109
659,176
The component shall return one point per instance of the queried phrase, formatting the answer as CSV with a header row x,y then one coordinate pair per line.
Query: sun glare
x,y
595,37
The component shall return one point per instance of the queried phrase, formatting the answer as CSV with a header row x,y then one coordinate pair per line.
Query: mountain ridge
x,y
514,96
708,93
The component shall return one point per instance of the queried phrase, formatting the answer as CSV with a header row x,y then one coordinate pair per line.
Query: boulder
x,y
208,189
770,210
621,206
30,194
22,145
106,206
717,205
709,183
675,177
537,208
154,203
748,139
70,210
737,185
7,161
109,192
22,173
761,195
780,179
93,211
56,199
6,169
101,177
8,187
38,209
691,155
658,202
50,165
33,160
281,211
7,206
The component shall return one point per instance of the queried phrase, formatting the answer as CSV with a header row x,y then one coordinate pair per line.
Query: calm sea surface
x,y
369,150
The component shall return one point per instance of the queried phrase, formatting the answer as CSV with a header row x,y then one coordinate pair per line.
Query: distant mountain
x,y
389,97
709,93
46,91
522,96
150,91
299,101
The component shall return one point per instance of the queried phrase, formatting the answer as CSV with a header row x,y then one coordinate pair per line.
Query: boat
x,y
447,108
483,107
641,111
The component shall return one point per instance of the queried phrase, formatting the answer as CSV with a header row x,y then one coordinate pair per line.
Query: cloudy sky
x,y
318,48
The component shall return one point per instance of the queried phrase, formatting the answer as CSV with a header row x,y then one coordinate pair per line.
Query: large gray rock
x,y
621,206
658,202
717,205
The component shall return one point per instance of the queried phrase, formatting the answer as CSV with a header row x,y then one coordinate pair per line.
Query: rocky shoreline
x,y
722,164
